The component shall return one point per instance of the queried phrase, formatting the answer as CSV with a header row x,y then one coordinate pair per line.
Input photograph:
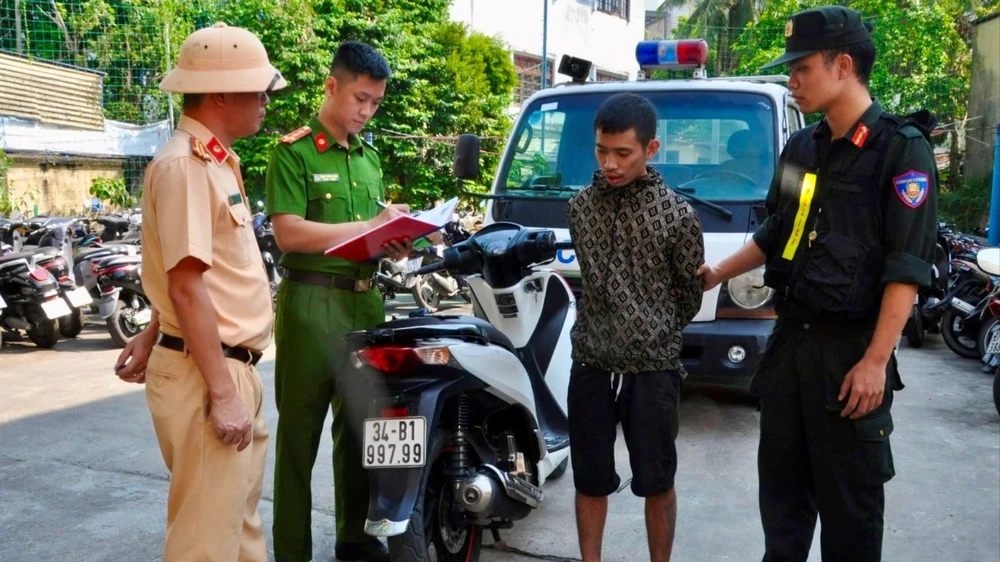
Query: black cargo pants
x,y
810,459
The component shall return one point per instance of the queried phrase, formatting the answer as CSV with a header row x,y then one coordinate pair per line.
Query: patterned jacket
x,y
639,248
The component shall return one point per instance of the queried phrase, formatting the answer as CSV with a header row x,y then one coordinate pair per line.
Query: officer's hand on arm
x,y
186,288
131,363
747,258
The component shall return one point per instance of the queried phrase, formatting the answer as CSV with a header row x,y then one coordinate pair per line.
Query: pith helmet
x,y
222,59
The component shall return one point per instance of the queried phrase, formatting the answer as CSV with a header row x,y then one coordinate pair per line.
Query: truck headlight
x,y
747,291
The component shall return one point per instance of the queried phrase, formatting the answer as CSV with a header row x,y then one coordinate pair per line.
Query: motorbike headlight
x,y
748,291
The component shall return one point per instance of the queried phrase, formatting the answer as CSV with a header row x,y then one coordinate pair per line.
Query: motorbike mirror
x,y
467,157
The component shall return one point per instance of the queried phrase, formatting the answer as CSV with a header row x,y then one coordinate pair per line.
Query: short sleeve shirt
x,y
312,176
194,206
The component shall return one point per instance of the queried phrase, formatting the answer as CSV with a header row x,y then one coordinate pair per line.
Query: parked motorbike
x,y
123,306
965,302
990,338
76,297
467,415
32,300
397,276
429,290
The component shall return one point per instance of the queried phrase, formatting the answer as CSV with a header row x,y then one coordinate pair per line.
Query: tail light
x,y
40,275
399,360
395,412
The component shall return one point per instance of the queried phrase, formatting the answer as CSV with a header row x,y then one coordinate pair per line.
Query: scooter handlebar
x,y
567,245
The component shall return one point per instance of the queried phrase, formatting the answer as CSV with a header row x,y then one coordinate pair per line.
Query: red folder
x,y
368,245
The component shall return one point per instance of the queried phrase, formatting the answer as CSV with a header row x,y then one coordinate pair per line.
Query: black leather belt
x,y
240,354
327,280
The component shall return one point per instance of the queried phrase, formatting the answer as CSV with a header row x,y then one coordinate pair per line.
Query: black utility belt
x,y
240,354
331,281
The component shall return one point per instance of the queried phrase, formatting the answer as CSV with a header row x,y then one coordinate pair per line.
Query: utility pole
x,y
17,27
545,44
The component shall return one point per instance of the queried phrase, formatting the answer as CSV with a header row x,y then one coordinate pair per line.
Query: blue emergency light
x,y
672,55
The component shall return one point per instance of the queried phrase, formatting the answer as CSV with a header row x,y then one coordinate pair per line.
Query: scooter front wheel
x,y
430,536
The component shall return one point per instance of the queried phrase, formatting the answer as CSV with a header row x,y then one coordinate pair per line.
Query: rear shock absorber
x,y
460,453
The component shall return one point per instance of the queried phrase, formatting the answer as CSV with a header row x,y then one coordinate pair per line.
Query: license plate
x,y
413,265
55,308
79,297
994,346
395,442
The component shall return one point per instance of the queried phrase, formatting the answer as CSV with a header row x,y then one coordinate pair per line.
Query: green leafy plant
x,y
112,190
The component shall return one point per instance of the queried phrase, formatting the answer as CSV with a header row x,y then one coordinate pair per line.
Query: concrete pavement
x,y
81,477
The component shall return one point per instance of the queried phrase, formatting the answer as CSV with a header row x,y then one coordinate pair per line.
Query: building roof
x,y
50,93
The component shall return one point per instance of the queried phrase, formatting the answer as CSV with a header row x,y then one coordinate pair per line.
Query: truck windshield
x,y
718,146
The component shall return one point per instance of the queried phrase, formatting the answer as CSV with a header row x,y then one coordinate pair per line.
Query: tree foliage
x,y
446,80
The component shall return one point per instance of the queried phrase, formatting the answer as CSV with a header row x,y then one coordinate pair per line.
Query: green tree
x,y
720,23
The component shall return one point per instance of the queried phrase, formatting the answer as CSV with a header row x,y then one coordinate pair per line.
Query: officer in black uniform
x,y
848,240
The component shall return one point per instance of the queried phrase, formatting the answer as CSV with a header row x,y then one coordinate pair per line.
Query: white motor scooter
x,y
464,417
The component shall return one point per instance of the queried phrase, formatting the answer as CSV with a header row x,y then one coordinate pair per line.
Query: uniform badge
x,y
235,199
860,135
321,142
295,135
199,150
912,188
325,177
789,27
218,152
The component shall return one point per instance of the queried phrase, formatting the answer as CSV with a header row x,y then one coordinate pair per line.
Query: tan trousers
x,y
212,506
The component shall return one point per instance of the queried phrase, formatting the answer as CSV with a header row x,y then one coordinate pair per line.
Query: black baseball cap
x,y
820,29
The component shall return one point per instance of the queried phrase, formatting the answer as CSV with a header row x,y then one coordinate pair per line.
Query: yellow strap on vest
x,y
799,227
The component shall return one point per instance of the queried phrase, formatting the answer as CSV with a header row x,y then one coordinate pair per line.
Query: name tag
x,y
326,177
235,199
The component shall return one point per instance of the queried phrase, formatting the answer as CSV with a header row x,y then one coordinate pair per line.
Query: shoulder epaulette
x,y
295,135
199,150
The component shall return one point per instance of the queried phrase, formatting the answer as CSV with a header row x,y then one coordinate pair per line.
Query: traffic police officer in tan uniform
x,y
212,308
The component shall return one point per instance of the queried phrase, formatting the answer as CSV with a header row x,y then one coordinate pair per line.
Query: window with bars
x,y
618,8
529,74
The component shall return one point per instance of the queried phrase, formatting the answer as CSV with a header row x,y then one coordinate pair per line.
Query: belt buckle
x,y
362,285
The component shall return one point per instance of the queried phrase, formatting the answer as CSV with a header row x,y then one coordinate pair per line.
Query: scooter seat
x,y
115,261
46,251
494,335
117,249
17,256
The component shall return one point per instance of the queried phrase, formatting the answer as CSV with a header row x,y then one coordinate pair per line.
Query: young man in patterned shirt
x,y
639,245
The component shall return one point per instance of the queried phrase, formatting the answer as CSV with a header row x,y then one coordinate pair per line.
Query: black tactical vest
x,y
835,274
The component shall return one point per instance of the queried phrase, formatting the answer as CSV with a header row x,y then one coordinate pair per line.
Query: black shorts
x,y
646,405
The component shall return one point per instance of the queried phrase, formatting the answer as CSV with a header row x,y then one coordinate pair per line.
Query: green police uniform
x,y
846,217
312,176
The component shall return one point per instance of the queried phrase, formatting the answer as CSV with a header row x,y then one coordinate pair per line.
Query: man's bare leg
x,y
590,516
661,518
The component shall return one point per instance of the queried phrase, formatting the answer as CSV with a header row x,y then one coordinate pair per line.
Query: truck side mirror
x,y
467,157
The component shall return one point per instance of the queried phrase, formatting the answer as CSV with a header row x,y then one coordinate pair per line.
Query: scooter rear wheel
x,y
45,333
71,326
430,537
958,335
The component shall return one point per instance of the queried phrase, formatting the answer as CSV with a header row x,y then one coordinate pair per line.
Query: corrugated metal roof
x,y
49,93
